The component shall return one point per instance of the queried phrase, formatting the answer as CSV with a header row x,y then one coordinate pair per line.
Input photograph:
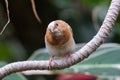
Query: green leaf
x,y
40,54
104,61
9,51
93,3
104,56
15,76
2,63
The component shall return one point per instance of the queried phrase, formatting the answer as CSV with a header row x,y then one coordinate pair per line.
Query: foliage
x,y
9,51
104,61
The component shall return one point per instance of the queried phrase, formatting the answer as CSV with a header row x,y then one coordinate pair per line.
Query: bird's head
x,y
58,31
58,28
54,29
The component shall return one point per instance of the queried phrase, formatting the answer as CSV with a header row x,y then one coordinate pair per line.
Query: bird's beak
x,y
54,29
56,32
51,26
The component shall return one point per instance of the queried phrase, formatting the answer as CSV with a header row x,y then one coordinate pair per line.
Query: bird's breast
x,y
61,50
57,40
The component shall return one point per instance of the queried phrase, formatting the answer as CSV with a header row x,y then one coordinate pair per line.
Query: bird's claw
x,y
69,55
50,63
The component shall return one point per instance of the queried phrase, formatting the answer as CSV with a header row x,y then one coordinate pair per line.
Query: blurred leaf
x,y
17,49
104,61
40,54
107,55
93,3
5,52
63,3
9,50
117,28
100,11
2,63
15,76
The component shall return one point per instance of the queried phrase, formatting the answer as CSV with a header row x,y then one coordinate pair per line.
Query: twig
x,y
6,2
35,11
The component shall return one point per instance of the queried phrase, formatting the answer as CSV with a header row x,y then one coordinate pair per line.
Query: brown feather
x,y
66,31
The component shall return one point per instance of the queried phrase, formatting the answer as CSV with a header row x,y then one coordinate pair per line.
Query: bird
x,y
59,40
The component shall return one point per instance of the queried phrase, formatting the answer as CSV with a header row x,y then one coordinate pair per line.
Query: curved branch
x,y
77,56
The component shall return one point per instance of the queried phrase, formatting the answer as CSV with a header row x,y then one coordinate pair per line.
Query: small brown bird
x,y
59,40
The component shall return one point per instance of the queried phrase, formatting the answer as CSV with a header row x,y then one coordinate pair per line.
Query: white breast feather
x,y
61,51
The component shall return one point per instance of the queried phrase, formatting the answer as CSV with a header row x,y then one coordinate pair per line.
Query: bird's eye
x,y
56,24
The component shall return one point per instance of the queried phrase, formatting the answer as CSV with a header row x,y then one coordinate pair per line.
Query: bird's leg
x,y
50,62
69,55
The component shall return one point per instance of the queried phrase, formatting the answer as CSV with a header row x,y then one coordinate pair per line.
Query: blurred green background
x,y
25,34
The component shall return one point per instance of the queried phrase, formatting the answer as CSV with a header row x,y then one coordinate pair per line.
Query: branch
x,y
37,72
78,56
6,2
